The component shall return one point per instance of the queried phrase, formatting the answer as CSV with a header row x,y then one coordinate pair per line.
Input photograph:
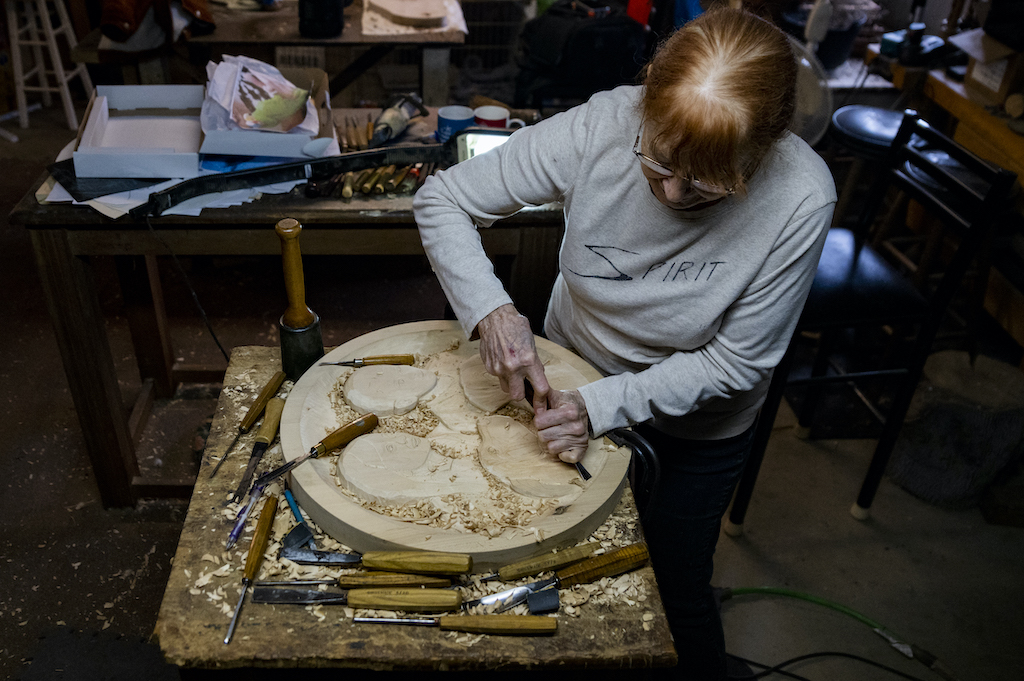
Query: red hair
x,y
719,93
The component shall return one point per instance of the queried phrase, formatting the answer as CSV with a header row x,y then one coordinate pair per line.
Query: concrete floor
x,y
82,585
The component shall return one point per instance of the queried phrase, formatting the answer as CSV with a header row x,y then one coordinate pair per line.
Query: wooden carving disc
x,y
309,415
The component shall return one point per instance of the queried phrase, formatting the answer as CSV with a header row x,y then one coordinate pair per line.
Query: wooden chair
x,y
855,288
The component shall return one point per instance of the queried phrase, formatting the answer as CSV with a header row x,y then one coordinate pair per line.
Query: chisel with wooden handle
x,y
418,562
373,360
264,436
409,600
257,407
373,578
252,561
523,625
609,564
339,438
548,561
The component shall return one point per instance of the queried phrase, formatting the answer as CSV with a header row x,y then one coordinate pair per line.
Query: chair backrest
x,y
966,194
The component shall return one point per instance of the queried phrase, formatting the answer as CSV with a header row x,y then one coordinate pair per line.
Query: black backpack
x,y
573,51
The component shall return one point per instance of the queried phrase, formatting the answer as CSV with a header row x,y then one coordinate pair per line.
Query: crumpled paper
x,y
248,94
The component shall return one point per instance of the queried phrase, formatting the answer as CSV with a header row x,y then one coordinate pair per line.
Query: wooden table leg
x,y
534,271
147,320
88,363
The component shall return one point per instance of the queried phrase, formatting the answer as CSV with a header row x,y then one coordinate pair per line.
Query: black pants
x,y
682,527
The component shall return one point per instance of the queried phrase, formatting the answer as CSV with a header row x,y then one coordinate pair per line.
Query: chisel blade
x,y
273,594
302,556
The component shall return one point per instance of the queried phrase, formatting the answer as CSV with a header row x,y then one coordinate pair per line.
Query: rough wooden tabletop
x,y
615,623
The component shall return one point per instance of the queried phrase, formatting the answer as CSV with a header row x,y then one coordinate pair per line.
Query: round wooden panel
x,y
309,415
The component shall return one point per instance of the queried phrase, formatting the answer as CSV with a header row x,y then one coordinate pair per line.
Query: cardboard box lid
x,y
981,46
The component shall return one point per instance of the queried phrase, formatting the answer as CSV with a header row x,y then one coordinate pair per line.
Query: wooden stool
x,y
867,132
31,25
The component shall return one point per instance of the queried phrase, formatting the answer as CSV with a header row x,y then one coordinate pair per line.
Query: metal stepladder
x,y
33,27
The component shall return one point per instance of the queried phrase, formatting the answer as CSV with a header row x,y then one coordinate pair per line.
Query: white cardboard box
x,y
284,145
142,131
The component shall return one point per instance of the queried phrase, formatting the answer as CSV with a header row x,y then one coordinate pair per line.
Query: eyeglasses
x,y
706,189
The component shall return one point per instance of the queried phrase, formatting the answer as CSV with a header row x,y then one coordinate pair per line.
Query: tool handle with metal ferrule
x,y
607,565
268,429
378,187
410,600
347,185
397,178
362,580
297,315
259,540
407,360
428,562
549,561
348,432
369,184
269,390
524,625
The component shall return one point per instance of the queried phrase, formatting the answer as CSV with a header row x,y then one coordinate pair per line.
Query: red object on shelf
x,y
639,10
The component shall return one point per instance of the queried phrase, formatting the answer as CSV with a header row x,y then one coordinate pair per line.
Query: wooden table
x,y
193,620
64,238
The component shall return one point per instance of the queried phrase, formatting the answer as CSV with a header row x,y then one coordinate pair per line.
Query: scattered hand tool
x,y
347,185
525,625
411,600
361,580
394,119
252,561
243,514
300,534
548,561
257,407
372,180
264,436
396,180
606,565
419,562
301,340
338,438
584,473
373,360
378,187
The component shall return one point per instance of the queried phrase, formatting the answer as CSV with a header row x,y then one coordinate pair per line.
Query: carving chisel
x,y
590,570
300,534
361,580
584,473
272,386
339,438
264,436
548,561
525,625
419,562
252,561
408,360
410,600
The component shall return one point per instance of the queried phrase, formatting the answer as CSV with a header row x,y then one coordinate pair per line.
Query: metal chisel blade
x,y
254,460
273,594
302,556
508,599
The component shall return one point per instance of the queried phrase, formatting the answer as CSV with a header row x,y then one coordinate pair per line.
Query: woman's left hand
x,y
563,425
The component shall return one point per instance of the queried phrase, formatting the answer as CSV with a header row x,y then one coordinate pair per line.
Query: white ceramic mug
x,y
495,117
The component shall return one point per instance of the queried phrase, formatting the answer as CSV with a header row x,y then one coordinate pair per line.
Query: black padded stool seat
x,y
865,130
855,286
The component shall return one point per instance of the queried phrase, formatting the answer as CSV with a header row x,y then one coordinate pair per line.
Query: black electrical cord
x,y
758,675
776,669
191,290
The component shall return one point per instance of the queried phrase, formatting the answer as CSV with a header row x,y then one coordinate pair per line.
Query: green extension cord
x,y
908,649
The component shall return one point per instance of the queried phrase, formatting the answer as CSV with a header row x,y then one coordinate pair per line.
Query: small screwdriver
x,y
252,561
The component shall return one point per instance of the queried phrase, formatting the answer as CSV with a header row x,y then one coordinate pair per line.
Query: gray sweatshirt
x,y
685,313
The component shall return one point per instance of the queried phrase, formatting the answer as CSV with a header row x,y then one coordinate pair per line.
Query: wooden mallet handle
x,y
298,315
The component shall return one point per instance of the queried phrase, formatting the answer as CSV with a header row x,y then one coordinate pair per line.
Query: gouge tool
x,y
339,438
373,360
418,562
255,409
543,563
523,625
252,561
584,473
264,436
300,534
410,600
609,564
361,580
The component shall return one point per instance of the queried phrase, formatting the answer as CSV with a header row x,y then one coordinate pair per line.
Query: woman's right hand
x,y
508,351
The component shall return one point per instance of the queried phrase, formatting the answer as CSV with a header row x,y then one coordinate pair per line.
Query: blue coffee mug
x,y
451,119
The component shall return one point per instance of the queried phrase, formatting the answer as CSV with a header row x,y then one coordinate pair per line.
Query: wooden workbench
x,y
193,620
